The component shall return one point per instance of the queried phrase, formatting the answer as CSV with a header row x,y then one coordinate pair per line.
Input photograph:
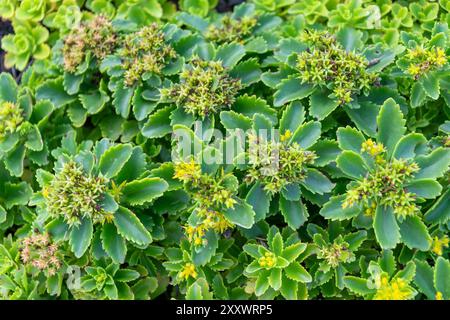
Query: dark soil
x,y
5,28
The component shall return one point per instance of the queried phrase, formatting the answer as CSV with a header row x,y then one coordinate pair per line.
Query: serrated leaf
x,y
294,213
158,124
290,90
386,227
433,165
230,54
130,227
241,214
145,190
259,200
352,164
321,105
425,188
442,277
81,236
122,100
113,160
113,243
8,88
297,273
307,134
391,125
414,233
53,90
333,209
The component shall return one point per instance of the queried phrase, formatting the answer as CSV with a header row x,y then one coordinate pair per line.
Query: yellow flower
x,y
439,296
268,260
439,244
439,57
396,289
188,271
286,136
372,148
187,171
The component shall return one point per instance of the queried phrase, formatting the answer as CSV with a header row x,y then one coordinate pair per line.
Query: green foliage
x,y
284,150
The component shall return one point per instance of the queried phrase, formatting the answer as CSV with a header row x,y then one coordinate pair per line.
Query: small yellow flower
x,y
372,148
396,289
413,69
268,260
439,244
439,296
286,136
188,271
187,171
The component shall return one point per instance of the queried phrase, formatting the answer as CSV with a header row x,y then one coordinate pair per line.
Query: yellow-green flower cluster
x,y
268,260
40,252
10,119
210,195
395,289
439,244
205,88
277,164
145,51
188,271
96,36
422,60
384,186
72,195
231,30
336,253
327,61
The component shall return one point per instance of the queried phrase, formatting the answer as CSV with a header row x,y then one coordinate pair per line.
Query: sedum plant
x,y
280,150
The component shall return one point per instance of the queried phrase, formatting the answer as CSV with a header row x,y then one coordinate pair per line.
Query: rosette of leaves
x,y
276,266
273,5
380,280
425,13
354,14
198,7
95,196
67,17
314,11
332,70
33,267
143,12
244,25
208,83
189,272
20,126
15,283
336,254
106,280
139,68
425,66
395,18
391,177
279,164
432,280
28,42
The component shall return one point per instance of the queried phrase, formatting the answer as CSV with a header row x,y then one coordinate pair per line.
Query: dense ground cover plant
x,y
282,150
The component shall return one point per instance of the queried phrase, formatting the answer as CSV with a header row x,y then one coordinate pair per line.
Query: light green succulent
x,y
28,42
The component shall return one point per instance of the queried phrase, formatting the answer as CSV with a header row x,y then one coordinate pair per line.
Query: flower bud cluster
x,y
231,30
10,119
327,61
205,88
145,51
277,164
38,251
72,194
